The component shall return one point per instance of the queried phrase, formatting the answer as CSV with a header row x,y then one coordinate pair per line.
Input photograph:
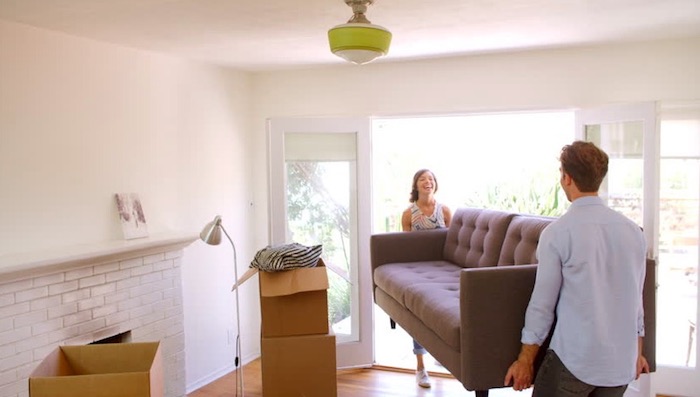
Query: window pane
x,y
319,212
623,186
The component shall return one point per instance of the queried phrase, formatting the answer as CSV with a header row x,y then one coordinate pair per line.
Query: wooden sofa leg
x,y
392,324
481,393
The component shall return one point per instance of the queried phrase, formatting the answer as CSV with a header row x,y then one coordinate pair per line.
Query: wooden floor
x,y
372,382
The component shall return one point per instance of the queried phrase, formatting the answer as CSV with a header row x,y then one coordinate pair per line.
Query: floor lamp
x,y
211,234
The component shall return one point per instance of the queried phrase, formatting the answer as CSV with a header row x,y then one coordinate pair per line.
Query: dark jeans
x,y
554,380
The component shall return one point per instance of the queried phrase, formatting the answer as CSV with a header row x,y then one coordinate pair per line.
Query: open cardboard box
x,y
252,272
294,302
100,370
288,282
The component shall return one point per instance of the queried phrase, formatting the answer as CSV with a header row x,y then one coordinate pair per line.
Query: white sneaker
x,y
422,378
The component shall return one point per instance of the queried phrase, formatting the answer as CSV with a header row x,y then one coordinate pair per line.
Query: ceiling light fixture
x,y
359,41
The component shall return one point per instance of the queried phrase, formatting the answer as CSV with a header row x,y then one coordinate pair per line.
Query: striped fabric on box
x,y
287,256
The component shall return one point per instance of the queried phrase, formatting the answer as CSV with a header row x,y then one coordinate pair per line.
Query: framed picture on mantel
x,y
131,215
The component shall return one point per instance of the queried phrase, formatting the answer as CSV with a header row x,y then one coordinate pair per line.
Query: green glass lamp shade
x,y
359,43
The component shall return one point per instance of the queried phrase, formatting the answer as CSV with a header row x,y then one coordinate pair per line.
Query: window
x,y
502,161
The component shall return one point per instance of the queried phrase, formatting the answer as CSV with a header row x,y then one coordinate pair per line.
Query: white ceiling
x,y
278,34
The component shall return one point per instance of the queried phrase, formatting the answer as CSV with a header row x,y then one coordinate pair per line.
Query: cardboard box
x,y
299,366
100,370
294,302
289,282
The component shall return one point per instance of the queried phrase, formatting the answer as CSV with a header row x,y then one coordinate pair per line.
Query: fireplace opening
x,y
124,337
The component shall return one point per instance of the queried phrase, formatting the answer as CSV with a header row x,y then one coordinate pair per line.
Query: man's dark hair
x,y
586,164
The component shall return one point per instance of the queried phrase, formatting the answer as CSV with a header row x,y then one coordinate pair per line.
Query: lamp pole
x,y
211,234
237,362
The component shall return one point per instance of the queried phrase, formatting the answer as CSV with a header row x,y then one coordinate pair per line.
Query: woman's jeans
x,y
553,379
418,349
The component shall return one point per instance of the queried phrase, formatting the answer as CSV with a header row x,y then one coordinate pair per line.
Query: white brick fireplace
x,y
83,294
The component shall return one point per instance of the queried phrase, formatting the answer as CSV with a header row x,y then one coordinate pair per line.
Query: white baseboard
x,y
198,384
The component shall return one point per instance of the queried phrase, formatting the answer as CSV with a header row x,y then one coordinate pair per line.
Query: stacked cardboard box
x,y
298,348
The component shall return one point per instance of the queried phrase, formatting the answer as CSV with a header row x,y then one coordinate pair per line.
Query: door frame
x,y
359,353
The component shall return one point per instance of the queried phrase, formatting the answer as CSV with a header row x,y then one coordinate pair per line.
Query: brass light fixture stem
x,y
359,7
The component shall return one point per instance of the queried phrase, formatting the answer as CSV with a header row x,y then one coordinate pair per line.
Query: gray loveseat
x,y
462,292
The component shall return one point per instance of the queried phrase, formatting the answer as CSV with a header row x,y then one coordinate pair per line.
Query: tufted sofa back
x,y
475,237
484,238
522,237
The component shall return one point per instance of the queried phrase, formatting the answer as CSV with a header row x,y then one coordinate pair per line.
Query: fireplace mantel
x,y
23,265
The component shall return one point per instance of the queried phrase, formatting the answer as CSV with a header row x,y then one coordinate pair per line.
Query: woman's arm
x,y
447,215
406,220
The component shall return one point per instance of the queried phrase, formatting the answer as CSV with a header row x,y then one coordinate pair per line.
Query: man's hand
x,y
642,366
522,370
520,373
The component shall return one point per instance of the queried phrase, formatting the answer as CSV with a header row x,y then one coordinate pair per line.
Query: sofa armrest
x,y
493,301
424,245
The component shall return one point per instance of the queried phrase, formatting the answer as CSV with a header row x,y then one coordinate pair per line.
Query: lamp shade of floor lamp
x,y
211,234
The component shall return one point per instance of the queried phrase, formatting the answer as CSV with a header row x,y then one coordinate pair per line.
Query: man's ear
x,y
566,179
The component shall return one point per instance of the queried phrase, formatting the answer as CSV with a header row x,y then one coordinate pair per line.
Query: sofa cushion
x,y
437,306
475,237
395,279
430,290
522,237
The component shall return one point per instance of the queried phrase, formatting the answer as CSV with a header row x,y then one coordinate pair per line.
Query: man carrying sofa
x,y
590,277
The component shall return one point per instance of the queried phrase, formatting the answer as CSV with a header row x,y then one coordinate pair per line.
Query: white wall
x,y
81,120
